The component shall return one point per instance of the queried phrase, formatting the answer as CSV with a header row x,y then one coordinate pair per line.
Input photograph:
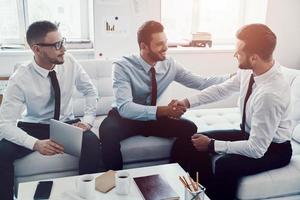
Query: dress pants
x,y
222,182
9,152
115,128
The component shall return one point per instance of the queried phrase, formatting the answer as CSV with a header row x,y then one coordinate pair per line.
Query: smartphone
x,y
43,190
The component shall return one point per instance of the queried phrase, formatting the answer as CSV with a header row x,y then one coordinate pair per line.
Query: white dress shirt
x,y
29,97
267,110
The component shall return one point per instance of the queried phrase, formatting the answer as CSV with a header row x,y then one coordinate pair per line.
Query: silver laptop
x,y
69,136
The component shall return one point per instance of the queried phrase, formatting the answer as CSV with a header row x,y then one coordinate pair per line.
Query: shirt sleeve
x,y
10,110
268,112
216,92
191,80
85,86
124,100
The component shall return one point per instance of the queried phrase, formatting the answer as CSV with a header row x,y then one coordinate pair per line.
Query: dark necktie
x,y
249,91
56,89
153,87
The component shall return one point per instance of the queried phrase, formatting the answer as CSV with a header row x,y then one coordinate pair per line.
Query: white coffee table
x,y
64,188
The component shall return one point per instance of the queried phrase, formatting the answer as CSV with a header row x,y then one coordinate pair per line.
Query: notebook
x,y
106,181
154,187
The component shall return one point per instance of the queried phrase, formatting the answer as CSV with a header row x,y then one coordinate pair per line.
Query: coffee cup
x,y
85,186
122,180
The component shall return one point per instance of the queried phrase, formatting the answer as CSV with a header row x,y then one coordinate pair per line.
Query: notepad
x,y
154,187
105,182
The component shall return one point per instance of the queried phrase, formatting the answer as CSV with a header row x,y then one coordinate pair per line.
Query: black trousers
x,y
222,182
115,128
9,152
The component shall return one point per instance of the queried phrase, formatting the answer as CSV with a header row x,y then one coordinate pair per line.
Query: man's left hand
x,y
200,142
83,126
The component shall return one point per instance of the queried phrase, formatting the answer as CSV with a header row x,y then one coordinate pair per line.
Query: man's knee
x,y
190,127
108,132
224,166
7,153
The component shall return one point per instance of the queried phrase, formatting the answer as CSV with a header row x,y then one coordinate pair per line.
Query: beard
x,y
156,56
57,61
245,65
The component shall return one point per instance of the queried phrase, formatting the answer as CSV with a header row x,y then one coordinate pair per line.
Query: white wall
x,y
283,17
129,14
205,62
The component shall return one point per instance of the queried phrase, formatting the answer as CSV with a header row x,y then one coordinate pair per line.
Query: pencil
x,y
182,181
187,185
193,183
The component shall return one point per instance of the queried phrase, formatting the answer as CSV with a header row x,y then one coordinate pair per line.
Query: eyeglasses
x,y
57,45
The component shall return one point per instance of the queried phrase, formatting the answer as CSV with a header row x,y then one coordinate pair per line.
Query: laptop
x,y
69,136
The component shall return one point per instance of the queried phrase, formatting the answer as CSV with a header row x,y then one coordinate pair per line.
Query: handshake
x,y
175,109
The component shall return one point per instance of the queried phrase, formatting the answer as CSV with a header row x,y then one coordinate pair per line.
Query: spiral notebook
x,y
154,187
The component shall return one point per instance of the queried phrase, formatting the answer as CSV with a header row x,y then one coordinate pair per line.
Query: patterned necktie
x,y
249,91
56,89
153,87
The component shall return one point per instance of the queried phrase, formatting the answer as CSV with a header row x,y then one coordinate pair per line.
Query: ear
x,y
144,46
254,58
36,49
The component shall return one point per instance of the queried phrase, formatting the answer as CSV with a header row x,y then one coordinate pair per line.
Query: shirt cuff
x,y
89,119
220,146
193,101
29,142
151,112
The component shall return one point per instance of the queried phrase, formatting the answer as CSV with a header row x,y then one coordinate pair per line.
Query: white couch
x,y
144,151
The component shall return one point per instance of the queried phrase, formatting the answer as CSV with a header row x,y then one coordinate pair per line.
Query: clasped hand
x,y
176,109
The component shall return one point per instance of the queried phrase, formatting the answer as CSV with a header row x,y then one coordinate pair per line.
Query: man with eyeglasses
x,y
44,87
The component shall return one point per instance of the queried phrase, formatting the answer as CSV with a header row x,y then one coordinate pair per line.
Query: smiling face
x,y
156,49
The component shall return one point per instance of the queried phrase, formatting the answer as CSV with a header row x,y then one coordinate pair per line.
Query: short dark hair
x,y
37,31
145,32
259,39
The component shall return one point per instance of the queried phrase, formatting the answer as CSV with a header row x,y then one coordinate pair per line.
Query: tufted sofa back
x,y
293,77
100,72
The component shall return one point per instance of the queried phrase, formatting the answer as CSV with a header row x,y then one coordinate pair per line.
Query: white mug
x,y
123,180
85,186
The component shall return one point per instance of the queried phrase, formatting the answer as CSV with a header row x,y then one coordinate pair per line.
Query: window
x,y
9,29
71,15
221,18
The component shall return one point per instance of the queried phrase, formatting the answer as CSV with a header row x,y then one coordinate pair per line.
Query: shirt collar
x,y
146,66
268,74
43,72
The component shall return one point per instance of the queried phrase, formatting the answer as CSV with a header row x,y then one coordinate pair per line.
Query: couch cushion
x,y
295,99
35,163
295,147
214,119
143,149
279,182
296,133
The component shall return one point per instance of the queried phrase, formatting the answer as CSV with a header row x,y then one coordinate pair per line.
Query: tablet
x,y
69,136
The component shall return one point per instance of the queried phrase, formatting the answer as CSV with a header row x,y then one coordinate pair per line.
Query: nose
x,y
165,48
63,48
235,55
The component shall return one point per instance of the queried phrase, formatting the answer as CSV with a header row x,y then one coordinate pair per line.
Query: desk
x,y
64,188
3,84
